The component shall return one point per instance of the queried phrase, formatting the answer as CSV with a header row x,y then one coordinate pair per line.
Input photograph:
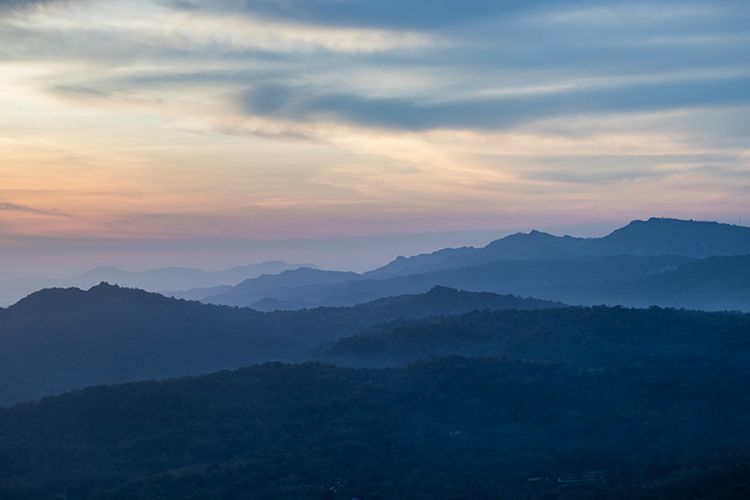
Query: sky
x,y
143,133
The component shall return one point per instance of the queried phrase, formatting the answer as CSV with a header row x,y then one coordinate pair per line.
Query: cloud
x,y
609,168
447,14
7,4
16,207
25,4
395,14
80,91
305,104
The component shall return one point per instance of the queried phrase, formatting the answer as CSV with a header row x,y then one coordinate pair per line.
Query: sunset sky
x,y
344,132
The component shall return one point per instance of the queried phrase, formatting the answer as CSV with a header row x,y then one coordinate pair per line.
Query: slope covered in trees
x,y
452,429
62,339
583,337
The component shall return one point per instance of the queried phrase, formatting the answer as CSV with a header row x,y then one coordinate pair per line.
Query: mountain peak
x,y
661,235
104,285
687,225
61,299
439,290
661,221
523,238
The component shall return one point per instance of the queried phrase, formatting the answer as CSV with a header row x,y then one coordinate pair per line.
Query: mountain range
x,y
666,262
417,380
62,339
655,236
291,282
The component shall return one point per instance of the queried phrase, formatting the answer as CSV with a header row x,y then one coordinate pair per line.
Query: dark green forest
x,y
447,394
451,428
653,402
589,337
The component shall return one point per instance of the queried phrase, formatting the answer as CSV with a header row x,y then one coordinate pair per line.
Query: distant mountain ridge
x,y
560,268
643,263
715,283
177,278
154,280
257,289
655,236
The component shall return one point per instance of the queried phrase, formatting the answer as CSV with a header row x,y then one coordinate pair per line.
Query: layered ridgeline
x,y
453,428
546,402
279,291
156,280
714,283
665,262
171,278
62,339
57,340
656,236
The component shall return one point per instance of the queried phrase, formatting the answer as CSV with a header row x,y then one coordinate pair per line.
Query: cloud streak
x,y
17,207
395,14
304,104
7,5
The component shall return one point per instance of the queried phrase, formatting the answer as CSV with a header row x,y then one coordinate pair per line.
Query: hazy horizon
x,y
57,259
351,254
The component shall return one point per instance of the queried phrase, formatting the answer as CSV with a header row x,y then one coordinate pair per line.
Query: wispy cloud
x,y
19,5
382,13
17,207
7,4
304,104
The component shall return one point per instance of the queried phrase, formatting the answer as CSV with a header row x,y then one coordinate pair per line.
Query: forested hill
x,y
650,402
62,339
450,429
593,337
